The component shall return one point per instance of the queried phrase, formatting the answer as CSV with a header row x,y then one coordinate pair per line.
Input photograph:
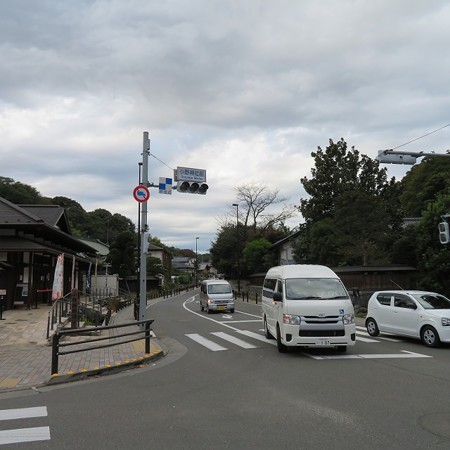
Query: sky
x,y
244,89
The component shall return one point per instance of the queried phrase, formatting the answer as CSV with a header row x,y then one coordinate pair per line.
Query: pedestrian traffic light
x,y
444,233
192,187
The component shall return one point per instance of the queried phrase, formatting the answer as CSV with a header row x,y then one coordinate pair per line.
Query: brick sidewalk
x,y
26,357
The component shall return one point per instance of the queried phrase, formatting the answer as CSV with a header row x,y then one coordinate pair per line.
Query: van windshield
x,y
219,289
314,289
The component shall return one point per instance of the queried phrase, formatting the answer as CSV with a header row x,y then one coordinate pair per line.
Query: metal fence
x,y
58,346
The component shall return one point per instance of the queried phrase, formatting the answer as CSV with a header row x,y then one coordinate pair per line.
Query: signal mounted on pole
x,y
190,180
444,231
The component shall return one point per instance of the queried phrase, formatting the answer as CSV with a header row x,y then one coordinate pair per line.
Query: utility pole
x,y
143,232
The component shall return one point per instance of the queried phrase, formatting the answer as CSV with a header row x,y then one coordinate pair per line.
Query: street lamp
x,y
238,247
196,261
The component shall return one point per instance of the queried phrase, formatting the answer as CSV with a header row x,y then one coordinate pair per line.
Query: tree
x,y
338,170
254,199
19,193
434,258
121,254
224,251
258,256
423,183
352,212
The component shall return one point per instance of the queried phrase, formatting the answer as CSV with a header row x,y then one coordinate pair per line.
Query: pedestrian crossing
x,y
18,435
218,344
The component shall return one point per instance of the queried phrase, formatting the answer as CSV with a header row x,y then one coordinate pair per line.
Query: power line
x,y
162,162
420,137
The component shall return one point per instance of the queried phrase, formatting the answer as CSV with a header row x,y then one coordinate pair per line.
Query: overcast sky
x,y
245,89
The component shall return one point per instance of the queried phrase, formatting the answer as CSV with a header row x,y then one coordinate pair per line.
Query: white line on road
x,y
257,336
23,413
24,435
405,354
206,342
233,340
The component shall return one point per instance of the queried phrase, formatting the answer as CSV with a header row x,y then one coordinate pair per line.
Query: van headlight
x,y
210,301
445,321
348,319
291,319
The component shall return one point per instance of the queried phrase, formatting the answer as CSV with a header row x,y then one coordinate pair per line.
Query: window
x,y
219,289
384,299
402,301
314,289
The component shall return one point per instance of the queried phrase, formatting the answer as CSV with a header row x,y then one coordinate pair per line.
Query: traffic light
x,y
192,187
444,233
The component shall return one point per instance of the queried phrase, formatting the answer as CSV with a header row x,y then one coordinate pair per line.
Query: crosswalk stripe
x,y
24,435
233,340
257,336
364,339
23,413
206,342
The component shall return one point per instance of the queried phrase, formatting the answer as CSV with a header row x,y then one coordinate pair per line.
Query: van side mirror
x,y
277,297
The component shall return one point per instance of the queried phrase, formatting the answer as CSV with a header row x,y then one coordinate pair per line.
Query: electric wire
x,y
420,137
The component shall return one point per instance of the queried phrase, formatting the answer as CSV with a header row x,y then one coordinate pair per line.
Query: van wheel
x,y
232,311
266,330
372,327
201,307
281,347
208,311
429,336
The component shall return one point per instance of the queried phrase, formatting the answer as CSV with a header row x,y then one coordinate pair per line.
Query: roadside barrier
x,y
57,345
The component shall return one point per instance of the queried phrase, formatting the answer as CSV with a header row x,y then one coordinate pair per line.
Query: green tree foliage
x,y
224,251
19,193
76,214
423,183
258,256
352,214
434,257
121,254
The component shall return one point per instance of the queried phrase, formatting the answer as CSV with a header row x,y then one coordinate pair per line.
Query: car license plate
x,y
323,342
221,308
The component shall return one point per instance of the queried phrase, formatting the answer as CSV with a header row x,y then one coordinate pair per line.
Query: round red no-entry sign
x,y
141,193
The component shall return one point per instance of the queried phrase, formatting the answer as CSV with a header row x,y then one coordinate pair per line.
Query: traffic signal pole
x,y
143,232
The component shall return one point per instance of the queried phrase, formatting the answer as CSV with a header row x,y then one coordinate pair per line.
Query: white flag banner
x,y
58,281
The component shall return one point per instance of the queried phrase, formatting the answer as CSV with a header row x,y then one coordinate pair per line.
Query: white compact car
x,y
416,314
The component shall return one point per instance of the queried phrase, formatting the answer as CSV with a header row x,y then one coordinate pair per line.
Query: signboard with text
x,y
190,174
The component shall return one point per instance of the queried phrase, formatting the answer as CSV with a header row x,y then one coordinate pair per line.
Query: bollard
x,y
147,338
55,348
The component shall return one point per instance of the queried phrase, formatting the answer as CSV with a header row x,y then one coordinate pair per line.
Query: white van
x,y
216,295
308,306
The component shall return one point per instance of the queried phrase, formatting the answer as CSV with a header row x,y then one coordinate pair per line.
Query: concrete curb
x,y
107,370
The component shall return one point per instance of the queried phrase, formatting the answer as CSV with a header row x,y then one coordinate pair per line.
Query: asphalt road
x,y
222,385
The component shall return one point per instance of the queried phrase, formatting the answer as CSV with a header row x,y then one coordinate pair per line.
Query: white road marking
x,y
18,435
404,354
24,435
233,340
257,336
384,338
206,342
23,413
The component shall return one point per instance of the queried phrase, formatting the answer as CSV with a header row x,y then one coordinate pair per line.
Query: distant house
x,y
31,238
283,247
184,264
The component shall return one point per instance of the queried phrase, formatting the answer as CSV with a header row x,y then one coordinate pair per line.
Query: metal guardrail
x,y
57,345
60,309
